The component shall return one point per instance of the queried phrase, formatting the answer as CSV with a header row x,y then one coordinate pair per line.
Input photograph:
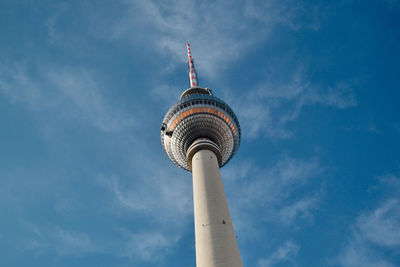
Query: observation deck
x,y
199,114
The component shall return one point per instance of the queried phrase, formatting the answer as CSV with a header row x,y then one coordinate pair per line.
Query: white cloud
x,y
280,194
218,37
162,194
356,254
65,93
284,253
86,96
274,104
300,209
16,84
73,242
140,245
375,234
382,226
278,182
149,246
60,241
163,197
51,22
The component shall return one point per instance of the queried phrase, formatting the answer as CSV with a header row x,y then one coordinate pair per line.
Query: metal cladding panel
x,y
196,116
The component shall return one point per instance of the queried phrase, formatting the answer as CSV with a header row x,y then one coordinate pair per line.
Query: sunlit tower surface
x,y
201,133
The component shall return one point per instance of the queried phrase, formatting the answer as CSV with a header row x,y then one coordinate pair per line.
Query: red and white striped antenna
x,y
192,71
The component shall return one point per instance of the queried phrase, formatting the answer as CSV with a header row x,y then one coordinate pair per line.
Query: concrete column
x,y
216,244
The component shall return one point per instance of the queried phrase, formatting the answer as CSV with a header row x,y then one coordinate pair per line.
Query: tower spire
x,y
192,71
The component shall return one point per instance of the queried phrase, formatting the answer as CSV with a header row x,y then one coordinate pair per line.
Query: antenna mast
x,y
192,71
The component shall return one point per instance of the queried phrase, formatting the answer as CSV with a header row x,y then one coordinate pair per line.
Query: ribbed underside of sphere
x,y
199,116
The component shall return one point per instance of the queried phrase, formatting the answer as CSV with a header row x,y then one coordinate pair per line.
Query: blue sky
x,y
84,86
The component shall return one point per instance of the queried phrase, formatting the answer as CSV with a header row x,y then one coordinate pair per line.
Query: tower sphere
x,y
198,114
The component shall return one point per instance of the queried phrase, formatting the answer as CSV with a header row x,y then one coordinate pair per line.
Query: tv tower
x,y
200,133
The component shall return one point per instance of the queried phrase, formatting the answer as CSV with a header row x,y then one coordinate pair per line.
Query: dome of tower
x,y
199,114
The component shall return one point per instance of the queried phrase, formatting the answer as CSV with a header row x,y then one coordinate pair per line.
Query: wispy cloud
x,y
85,94
60,241
163,196
148,246
218,36
144,246
71,93
382,226
276,195
51,22
268,109
173,193
301,209
284,253
376,233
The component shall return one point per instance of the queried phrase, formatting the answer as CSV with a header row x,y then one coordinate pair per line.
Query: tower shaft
x,y
216,244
